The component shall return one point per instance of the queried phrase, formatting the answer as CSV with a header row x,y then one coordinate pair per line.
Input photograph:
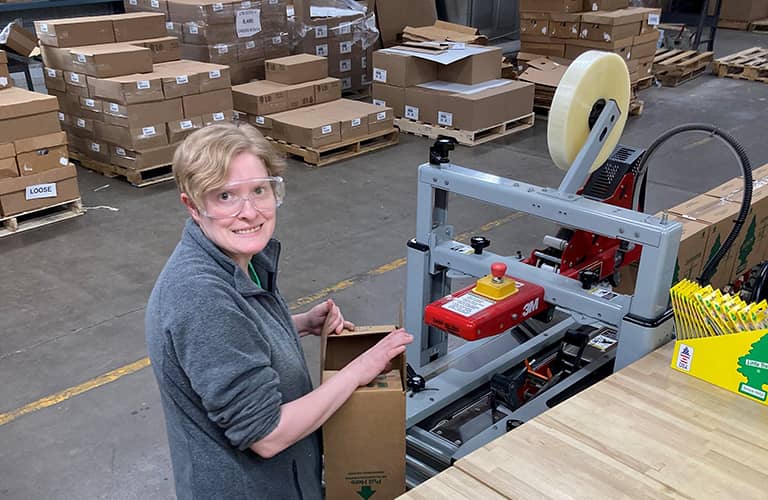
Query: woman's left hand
x,y
312,321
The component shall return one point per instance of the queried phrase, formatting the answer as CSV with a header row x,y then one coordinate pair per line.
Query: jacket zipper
x,y
296,480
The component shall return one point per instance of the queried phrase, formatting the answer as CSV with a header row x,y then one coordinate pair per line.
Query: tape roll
x,y
591,77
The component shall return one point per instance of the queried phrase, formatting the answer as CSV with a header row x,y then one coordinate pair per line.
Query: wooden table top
x,y
645,432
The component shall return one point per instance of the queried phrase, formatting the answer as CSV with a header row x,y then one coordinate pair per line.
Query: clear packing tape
x,y
592,77
343,20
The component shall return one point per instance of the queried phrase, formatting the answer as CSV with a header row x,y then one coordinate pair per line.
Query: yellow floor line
x,y
93,383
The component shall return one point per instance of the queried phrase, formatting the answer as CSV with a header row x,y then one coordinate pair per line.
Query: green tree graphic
x,y
754,366
712,251
746,247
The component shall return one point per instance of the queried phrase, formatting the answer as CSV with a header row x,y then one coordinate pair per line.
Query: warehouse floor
x,y
73,294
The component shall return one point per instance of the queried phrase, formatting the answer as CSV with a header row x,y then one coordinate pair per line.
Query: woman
x,y
240,410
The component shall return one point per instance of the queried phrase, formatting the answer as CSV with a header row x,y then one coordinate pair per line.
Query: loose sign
x,y
41,191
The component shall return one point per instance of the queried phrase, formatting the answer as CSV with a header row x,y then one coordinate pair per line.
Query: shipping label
x,y
445,118
411,112
345,47
148,131
120,151
185,124
182,80
143,85
155,4
356,122
321,31
214,74
345,65
217,117
248,22
379,75
321,50
260,120
38,191
381,115
326,129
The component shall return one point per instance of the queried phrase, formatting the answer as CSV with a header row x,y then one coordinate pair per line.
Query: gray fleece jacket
x,y
226,356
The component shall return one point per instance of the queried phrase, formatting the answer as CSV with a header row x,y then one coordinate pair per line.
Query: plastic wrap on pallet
x,y
344,31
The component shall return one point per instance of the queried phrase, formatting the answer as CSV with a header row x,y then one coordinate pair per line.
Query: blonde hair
x,y
201,162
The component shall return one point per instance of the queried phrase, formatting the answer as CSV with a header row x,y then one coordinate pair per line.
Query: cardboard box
x,y
743,10
95,149
402,70
534,26
380,118
373,418
74,32
105,61
45,152
54,79
208,102
392,16
138,138
421,104
220,53
155,157
486,108
227,115
474,69
8,166
143,114
17,39
178,130
594,5
246,71
201,33
91,104
276,46
138,26
651,17
554,49
178,79
5,77
31,192
613,25
28,125
296,69
645,45
16,102
250,50
551,5
209,11
84,127
564,25
390,96
207,75
327,89
307,129
442,31
130,89
264,97
574,48
54,57
163,49
353,118
68,103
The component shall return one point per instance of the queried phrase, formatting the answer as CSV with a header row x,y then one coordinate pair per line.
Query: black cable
x,y
746,200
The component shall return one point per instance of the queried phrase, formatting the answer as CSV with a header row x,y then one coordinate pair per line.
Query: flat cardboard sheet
x,y
450,56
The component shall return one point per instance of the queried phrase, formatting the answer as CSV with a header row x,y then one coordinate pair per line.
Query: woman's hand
x,y
312,321
375,360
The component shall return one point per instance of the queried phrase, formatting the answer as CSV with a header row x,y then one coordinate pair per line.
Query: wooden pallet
x,y
138,177
761,25
674,67
749,64
33,219
643,83
357,95
636,107
466,137
343,150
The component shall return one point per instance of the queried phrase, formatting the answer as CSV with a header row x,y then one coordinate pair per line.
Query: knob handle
x,y
478,243
588,279
498,270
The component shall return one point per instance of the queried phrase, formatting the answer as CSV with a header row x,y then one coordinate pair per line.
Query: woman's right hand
x,y
375,360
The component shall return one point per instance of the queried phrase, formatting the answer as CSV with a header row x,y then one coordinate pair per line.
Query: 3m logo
x,y
530,307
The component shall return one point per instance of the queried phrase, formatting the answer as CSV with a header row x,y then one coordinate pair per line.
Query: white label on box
x,y
363,62
381,115
345,65
606,37
74,77
321,50
345,28
272,2
595,6
44,28
248,22
3,81
169,26
64,161
653,19
182,80
379,102
575,29
37,191
245,5
90,103
217,117
277,40
185,124
411,112
81,123
95,146
379,75
81,58
544,30
260,120
193,29
345,47
326,129
321,31
346,83
120,151
114,107
51,73
148,131
584,33
155,4
142,84
459,46
218,7
222,49
445,118
61,116
250,44
355,122
214,74
133,2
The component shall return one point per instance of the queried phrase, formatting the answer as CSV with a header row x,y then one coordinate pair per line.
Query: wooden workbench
x,y
645,432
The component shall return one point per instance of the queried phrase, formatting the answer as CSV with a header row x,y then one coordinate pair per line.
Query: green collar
x,y
253,275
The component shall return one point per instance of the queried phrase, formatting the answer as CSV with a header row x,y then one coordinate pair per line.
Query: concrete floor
x,y
73,294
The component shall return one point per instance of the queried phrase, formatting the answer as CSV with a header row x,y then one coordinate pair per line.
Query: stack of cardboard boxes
x,y
467,94
301,105
558,28
119,105
35,172
5,76
240,34
738,14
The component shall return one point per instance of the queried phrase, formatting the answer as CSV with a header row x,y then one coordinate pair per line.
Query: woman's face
x,y
243,235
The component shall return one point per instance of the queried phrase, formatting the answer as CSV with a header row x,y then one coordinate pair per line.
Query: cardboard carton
x,y
474,69
392,16
54,57
17,39
221,53
45,152
178,79
201,33
402,70
54,79
178,130
8,166
68,103
160,6
327,89
296,69
277,45
111,60
478,110
15,102
265,97
138,26
130,89
93,106
31,192
307,129
742,10
74,32
135,138
29,125
163,49
390,96
250,50
421,104
651,17
155,157
207,102
208,11
645,45
574,48
83,127
551,5
246,71
380,118
143,114
373,418
352,116
443,31
534,26
564,25
606,5
554,49
228,115
5,77
96,149
613,25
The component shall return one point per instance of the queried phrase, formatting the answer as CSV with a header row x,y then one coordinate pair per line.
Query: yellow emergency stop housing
x,y
495,290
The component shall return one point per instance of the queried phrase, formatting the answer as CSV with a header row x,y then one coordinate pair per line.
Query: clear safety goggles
x,y
265,194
